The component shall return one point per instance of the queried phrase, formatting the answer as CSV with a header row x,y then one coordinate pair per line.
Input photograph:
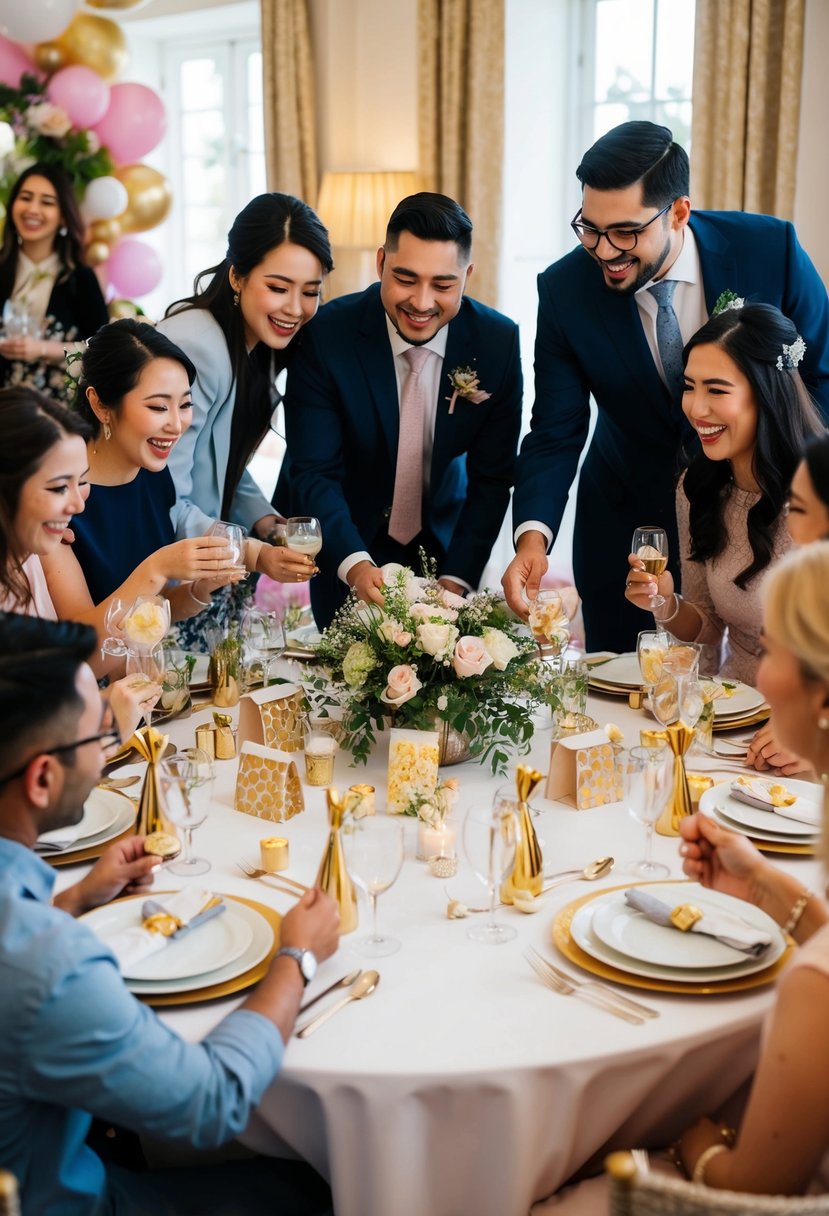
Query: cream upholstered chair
x,y
9,1200
635,1191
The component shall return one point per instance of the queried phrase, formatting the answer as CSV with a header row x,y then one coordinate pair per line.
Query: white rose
x,y
451,600
413,589
501,648
401,685
48,119
471,657
437,640
390,572
371,616
433,612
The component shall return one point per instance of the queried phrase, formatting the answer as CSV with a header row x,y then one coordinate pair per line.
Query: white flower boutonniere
x,y
464,381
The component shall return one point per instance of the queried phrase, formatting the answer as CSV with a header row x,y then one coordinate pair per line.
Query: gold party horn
x,y
528,868
680,737
151,745
333,877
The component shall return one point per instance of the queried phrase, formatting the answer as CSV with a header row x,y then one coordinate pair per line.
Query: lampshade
x,y
355,207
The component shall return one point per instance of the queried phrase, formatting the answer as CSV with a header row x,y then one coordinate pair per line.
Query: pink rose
x,y
401,685
451,600
470,657
402,637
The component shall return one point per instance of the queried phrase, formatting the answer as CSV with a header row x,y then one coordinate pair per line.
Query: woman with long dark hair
x,y
751,413
43,275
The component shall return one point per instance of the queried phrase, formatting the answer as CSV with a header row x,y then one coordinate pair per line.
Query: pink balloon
x,y
133,124
134,268
81,92
13,63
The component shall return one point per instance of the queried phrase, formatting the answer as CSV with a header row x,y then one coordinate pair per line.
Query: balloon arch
x,y
62,101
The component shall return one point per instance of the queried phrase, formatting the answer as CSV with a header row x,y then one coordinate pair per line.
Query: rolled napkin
x,y
60,839
774,796
728,929
163,921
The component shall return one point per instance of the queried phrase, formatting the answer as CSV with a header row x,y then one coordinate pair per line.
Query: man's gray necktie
x,y
668,336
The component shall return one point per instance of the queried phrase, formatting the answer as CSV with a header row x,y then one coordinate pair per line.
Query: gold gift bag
x,y
528,868
333,877
273,716
268,784
151,745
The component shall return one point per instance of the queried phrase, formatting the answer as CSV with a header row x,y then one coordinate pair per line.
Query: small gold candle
x,y
274,853
206,739
360,800
698,783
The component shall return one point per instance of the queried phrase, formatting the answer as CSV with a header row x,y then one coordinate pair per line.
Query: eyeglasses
x,y
623,239
106,738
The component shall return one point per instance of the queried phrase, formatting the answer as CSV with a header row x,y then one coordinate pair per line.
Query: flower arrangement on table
x,y
429,657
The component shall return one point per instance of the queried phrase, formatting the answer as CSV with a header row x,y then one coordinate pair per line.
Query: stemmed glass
x,y
145,623
234,536
374,856
490,835
150,663
651,651
113,644
186,785
303,534
545,611
264,639
647,781
651,547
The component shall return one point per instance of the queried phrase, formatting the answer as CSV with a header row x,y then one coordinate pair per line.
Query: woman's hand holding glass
x,y
649,583
132,700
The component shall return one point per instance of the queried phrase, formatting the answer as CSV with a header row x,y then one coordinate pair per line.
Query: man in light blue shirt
x,y
73,1042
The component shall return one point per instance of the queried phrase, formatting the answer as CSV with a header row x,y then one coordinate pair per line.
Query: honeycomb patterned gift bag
x,y
268,784
273,716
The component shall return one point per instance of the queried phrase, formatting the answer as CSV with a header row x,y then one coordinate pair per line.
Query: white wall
x,y
810,214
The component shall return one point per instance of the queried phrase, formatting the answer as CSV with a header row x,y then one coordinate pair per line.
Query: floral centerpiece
x,y
429,657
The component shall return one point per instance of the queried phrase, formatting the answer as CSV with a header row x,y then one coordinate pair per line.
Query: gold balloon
x,y
106,231
116,4
97,253
49,57
97,43
149,194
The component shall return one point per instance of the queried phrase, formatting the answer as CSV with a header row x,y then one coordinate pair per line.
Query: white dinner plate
x,y
742,701
261,941
759,834
100,811
753,819
125,817
305,635
581,929
630,932
622,671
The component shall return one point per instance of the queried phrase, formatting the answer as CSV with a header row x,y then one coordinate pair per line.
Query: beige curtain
x,y
747,74
461,107
288,93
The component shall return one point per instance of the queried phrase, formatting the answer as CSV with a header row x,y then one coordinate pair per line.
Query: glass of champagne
x,y
651,651
374,856
303,534
546,613
647,780
490,835
151,664
234,537
186,786
651,547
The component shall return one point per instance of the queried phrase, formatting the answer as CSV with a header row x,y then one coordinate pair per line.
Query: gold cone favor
x,y
679,738
333,877
150,745
528,869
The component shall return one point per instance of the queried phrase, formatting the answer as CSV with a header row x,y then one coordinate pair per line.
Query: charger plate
x,y
565,944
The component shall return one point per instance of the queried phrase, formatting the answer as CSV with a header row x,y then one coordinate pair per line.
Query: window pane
x,y
677,116
203,183
624,46
201,84
203,135
674,49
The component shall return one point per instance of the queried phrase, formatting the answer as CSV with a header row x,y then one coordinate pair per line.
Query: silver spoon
x,y
362,987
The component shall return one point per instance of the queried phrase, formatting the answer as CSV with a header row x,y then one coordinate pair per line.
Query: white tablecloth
x,y
463,1087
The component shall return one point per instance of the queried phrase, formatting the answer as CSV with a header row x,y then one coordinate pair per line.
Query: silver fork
x,y
644,1011
294,887
565,988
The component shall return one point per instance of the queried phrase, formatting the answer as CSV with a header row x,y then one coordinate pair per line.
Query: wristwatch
x,y
306,960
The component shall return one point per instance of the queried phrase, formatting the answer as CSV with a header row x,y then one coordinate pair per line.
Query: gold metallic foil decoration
x,y
528,868
224,672
266,786
225,744
149,194
282,722
333,877
104,232
679,738
151,745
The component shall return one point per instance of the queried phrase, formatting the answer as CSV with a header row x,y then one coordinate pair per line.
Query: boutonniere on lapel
x,y
465,383
726,300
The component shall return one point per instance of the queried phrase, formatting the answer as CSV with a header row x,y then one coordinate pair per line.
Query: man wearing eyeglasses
x,y
612,319
73,1041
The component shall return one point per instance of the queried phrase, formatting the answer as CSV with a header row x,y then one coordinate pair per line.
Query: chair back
x,y
9,1198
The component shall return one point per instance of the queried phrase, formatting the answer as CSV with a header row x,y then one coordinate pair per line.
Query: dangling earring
x,y
63,230
823,722
235,299
107,432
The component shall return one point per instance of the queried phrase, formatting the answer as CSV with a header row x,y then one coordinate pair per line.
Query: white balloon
x,y
105,198
35,20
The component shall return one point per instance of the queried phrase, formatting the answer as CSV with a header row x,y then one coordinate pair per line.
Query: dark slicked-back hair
x,y
754,337
638,152
39,700
431,217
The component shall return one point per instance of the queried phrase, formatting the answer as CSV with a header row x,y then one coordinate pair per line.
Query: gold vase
x,y
528,868
151,745
679,738
333,876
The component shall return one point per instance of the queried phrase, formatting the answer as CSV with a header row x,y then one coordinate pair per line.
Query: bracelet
x,y
698,1175
195,598
663,620
797,911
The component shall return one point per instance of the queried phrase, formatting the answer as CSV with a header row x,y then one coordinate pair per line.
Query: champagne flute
x,y
546,612
151,664
373,849
234,537
113,644
185,783
651,651
490,835
647,781
303,534
264,640
651,547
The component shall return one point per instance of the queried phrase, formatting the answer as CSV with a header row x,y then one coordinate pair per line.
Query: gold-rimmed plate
x,y
564,942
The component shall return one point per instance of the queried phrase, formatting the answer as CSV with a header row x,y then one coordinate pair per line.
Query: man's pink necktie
x,y
405,522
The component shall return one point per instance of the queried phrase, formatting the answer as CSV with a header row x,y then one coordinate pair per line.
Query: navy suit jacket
x,y
591,341
342,422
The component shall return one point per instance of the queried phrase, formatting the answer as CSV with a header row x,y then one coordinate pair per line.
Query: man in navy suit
x,y
390,466
598,335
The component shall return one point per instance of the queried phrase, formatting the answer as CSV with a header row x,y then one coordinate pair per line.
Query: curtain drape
x,y
288,95
461,108
748,57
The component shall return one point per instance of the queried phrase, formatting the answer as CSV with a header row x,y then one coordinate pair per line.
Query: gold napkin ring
x,y
684,916
163,923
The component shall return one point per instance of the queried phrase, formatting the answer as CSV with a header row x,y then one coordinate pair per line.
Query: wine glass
x,y
647,781
651,547
113,643
490,835
546,613
151,664
18,320
185,783
374,856
677,697
303,534
145,623
234,537
651,651
264,639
